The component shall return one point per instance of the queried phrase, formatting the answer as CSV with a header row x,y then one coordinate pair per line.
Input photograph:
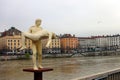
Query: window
x,y
8,40
8,44
14,40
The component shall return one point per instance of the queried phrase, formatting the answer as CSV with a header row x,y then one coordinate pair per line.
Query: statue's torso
x,y
35,29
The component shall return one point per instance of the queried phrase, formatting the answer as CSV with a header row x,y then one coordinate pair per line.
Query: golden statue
x,y
36,34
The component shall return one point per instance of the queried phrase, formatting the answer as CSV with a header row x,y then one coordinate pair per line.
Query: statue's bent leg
x,y
30,36
34,55
33,37
39,49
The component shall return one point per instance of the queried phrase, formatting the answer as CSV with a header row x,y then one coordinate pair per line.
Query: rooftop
x,y
10,32
67,36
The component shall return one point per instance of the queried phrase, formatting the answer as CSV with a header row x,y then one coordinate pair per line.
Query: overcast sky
x,y
80,17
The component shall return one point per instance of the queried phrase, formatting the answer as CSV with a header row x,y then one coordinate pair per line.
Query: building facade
x,y
69,43
12,43
86,43
55,46
113,42
101,41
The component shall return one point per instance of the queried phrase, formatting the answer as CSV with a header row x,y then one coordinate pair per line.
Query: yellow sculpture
x,y
36,34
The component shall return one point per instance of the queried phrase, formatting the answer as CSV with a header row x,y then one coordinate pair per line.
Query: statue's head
x,y
38,22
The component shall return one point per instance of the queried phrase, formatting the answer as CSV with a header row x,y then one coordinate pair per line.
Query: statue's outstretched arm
x,y
49,39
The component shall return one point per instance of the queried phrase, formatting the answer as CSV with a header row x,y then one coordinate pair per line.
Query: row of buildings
x,y
10,41
99,43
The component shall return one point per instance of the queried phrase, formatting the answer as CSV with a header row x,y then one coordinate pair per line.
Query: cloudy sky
x,y
80,17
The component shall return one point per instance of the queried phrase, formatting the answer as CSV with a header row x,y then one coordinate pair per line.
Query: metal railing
x,y
114,76
107,75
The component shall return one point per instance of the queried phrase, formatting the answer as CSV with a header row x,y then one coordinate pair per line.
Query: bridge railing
x,y
107,75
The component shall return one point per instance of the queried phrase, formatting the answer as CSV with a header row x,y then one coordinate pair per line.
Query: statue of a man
x,y
36,33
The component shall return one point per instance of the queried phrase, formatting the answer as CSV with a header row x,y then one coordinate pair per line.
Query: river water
x,y
64,68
